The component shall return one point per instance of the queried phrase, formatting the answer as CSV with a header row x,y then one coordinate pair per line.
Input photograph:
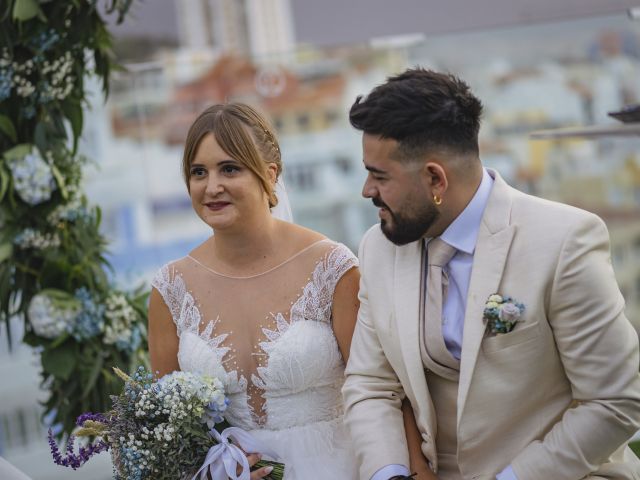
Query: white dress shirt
x,y
463,235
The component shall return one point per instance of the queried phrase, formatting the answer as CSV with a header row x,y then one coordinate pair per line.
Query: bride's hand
x,y
254,458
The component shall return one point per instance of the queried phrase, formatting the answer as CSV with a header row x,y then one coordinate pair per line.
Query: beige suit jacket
x,y
557,398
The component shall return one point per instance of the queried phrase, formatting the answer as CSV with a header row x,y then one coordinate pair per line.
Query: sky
x,y
335,22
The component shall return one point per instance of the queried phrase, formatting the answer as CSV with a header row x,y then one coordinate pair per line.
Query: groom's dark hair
x,y
422,110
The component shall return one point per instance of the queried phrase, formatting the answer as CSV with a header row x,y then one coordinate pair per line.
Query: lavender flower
x,y
94,417
72,459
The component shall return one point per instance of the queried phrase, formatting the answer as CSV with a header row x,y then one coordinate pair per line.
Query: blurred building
x,y
624,228
257,28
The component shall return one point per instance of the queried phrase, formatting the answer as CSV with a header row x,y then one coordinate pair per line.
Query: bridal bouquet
x,y
165,430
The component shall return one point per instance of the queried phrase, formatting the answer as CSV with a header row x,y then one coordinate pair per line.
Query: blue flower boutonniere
x,y
502,313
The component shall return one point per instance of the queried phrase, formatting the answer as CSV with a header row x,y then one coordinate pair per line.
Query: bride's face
x,y
224,192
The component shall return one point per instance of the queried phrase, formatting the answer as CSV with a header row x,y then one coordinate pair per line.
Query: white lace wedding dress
x,y
269,338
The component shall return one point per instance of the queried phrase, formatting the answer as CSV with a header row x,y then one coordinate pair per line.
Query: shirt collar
x,y
462,234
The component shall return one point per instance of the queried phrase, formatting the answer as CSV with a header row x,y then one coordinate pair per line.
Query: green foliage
x,y
636,448
53,271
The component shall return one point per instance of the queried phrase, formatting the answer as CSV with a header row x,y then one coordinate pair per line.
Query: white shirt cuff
x,y
385,473
507,474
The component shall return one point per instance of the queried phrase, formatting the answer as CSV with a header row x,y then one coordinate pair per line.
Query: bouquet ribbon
x,y
223,458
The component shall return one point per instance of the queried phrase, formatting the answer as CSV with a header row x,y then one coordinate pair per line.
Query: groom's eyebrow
x,y
374,169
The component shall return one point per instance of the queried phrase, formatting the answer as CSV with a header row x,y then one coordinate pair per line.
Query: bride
x,y
266,305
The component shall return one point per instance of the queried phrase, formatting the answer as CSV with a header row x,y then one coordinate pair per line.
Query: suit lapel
x,y
408,272
489,259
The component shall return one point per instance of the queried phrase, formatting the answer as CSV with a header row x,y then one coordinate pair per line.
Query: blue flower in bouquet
x,y
214,411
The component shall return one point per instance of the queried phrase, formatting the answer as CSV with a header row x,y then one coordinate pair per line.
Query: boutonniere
x,y
502,313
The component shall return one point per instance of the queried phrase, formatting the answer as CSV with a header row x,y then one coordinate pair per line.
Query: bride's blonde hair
x,y
244,135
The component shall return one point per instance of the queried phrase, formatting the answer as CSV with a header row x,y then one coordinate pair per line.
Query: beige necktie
x,y
439,254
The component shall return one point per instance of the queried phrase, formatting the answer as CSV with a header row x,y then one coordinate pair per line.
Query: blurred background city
x,y
548,66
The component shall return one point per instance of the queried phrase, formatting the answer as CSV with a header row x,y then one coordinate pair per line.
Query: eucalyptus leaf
x,y
6,126
93,376
73,112
19,151
40,137
4,183
24,10
59,362
34,340
60,340
60,181
6,249
6,10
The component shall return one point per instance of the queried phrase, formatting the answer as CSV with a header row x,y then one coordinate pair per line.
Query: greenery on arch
x,y
53,271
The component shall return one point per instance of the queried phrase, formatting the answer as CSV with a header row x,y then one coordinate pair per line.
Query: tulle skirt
x,y
318,451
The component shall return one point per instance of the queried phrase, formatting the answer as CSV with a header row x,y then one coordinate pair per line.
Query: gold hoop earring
x,y
437,200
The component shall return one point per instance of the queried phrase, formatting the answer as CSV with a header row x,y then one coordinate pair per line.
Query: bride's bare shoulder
x,y
301,236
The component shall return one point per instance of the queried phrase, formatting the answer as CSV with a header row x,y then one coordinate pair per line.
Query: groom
x,y
496,314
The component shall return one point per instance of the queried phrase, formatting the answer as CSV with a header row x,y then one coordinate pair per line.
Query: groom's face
x,y
395,186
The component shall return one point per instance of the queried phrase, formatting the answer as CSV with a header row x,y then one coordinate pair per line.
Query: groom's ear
x,y
435,177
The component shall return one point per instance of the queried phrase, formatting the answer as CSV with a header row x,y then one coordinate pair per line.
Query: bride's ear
x,y
272,173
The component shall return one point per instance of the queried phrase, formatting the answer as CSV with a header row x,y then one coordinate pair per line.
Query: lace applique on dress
x,y
290,356
186,313
314,304
316,300
292,401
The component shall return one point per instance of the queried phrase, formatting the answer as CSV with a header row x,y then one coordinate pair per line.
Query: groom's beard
x,y
409,225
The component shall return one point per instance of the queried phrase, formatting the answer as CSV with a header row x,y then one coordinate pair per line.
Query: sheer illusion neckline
x,y
294,256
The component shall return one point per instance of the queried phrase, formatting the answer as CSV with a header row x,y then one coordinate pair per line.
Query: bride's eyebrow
x,y
230,161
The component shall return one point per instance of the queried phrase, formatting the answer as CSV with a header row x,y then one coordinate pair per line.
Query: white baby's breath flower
x,y
495,298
